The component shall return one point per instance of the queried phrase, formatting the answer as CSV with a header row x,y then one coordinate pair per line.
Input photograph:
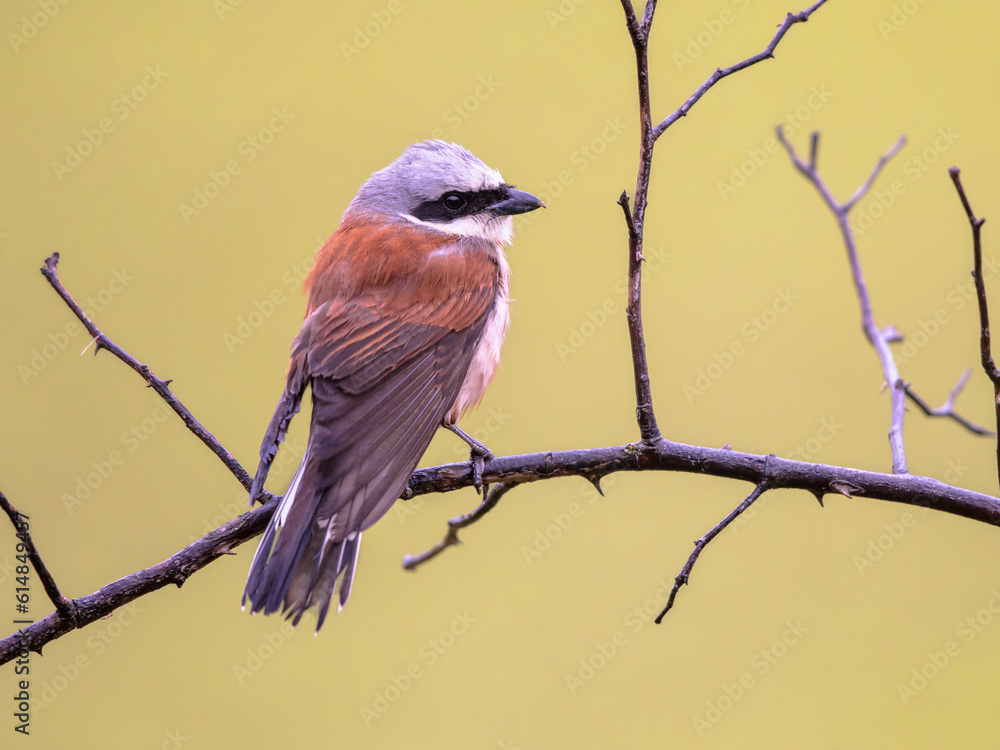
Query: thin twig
x,y
948,408
685,574
790,20
639,35
985,348
645,417
65,607
412,562
629,224
50,272
877,337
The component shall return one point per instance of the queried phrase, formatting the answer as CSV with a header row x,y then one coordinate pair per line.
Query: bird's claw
x,y
477,459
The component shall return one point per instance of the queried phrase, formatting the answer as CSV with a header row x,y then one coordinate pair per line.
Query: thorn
x,y
727,447
819,498
844,488
595,479
167,382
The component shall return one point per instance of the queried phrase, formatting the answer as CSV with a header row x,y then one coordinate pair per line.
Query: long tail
x,y
298,563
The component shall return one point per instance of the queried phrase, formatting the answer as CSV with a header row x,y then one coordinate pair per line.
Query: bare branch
x,y
948,408
632,23
685,574
50,272
782,473
882,161
985,348
63,605
412,562
175,569
877,337
645,417
639,35
790,20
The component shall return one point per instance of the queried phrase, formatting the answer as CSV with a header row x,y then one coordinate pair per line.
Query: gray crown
x,y
424,172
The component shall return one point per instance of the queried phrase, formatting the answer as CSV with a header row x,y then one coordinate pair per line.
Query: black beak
x,y
516,202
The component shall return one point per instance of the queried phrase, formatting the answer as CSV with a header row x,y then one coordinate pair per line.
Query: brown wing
x,y
394,320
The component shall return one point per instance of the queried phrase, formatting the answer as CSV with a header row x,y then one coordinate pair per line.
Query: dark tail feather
x,y
297,566
346,558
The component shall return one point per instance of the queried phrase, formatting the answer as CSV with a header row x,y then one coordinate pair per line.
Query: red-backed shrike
x,y
406,316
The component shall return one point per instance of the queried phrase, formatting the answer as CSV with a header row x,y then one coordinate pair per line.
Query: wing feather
x,y
391,329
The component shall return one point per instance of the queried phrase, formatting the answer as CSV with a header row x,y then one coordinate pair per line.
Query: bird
x,y
407,310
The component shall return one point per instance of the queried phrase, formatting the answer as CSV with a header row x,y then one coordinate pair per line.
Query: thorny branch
x,y
685,574
162,387
638,31
412,562
652,453
635,219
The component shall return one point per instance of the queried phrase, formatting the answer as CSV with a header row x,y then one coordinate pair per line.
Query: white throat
x,y
496,230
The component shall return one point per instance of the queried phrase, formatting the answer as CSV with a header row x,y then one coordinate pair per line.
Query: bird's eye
x,y
454,202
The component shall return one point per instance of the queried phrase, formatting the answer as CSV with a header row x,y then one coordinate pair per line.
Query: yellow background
x,y
862,592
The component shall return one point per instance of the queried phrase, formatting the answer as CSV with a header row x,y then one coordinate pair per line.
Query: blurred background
x,y
187,160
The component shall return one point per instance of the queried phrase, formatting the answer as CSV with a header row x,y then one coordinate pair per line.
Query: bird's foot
x,y
479,454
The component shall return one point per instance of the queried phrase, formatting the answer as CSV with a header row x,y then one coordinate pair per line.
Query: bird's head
x,y
445,187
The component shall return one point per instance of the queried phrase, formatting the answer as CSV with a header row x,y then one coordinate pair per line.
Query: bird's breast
x,y
486,359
